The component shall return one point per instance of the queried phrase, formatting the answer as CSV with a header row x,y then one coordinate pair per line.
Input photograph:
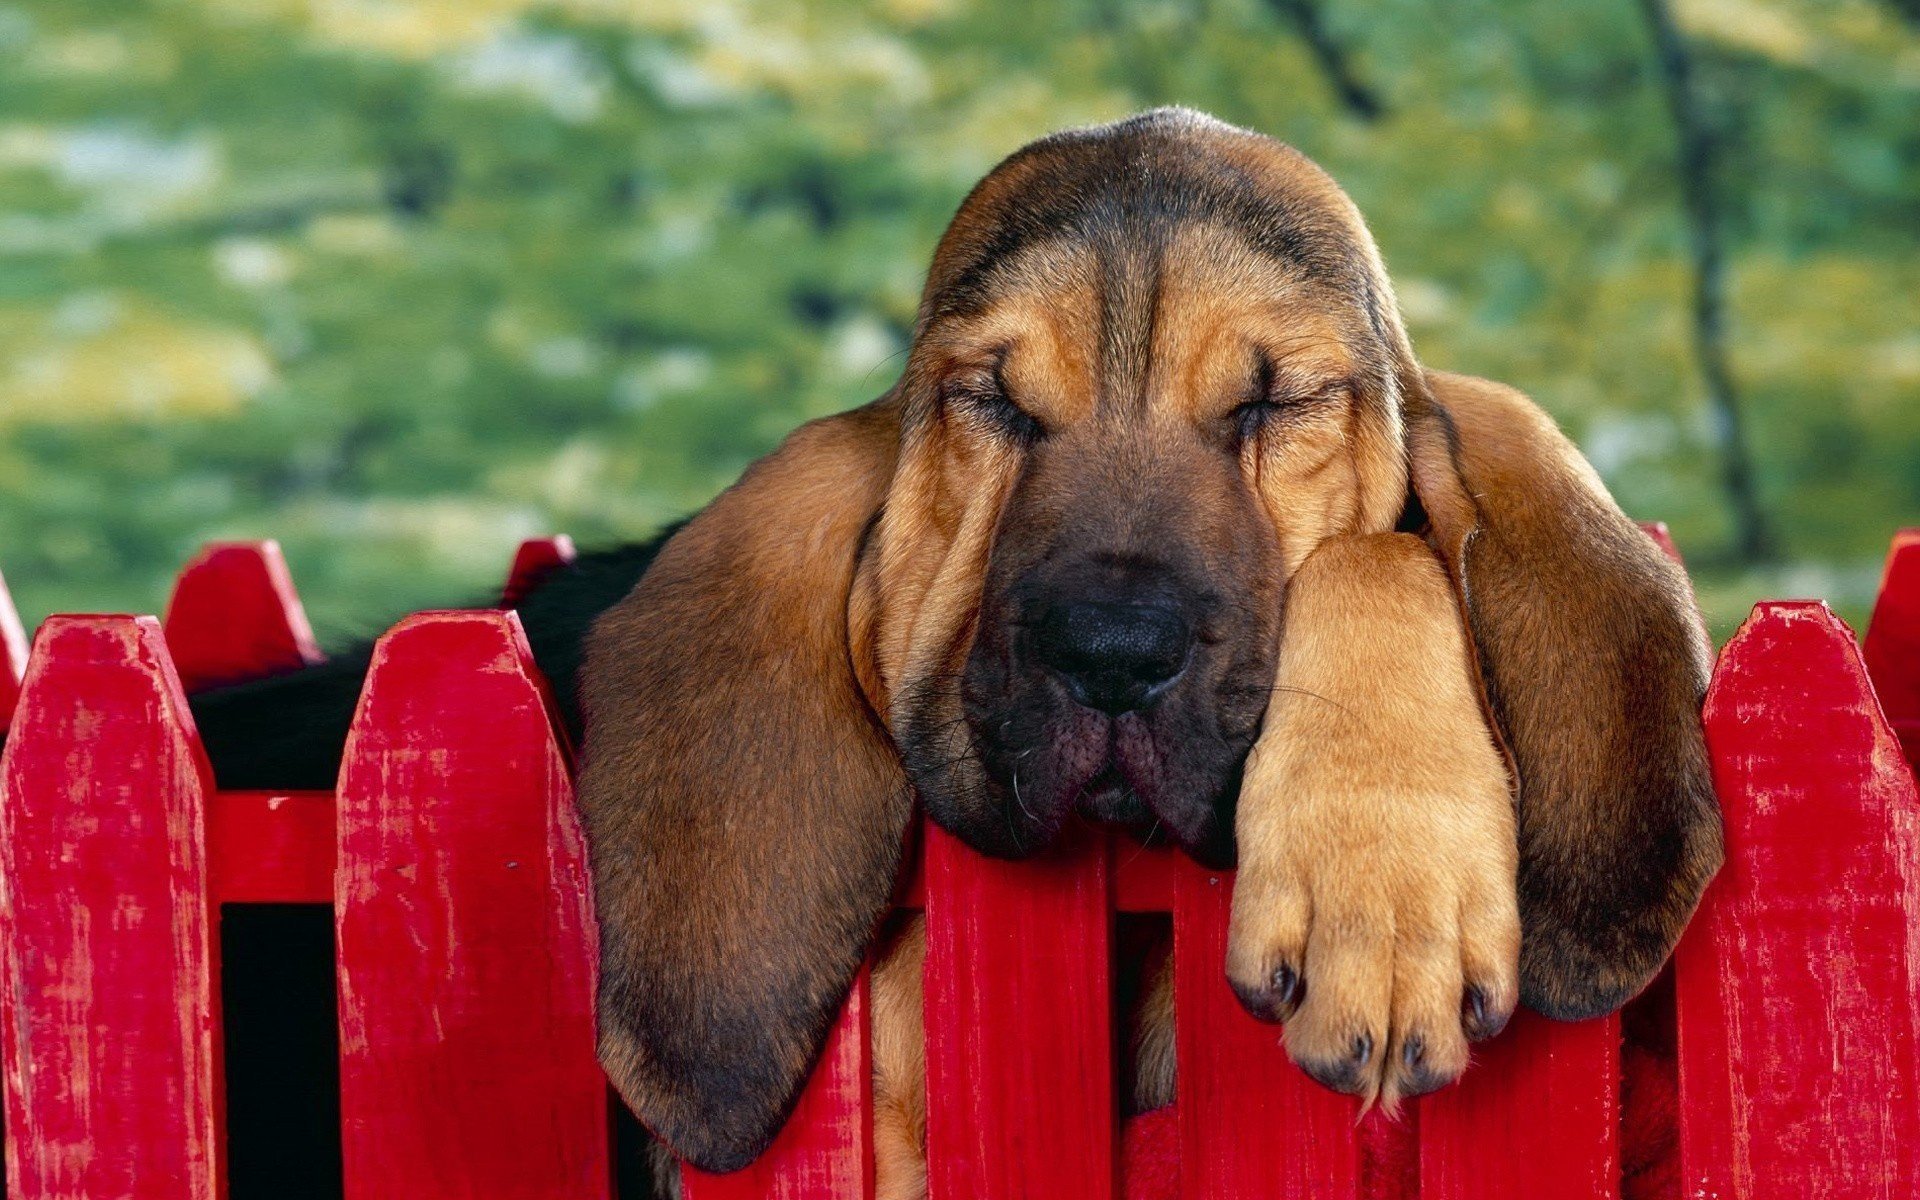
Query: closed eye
x,y
983,396
1273,395
1252,416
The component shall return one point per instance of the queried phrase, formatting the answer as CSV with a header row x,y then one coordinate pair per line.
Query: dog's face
x,y
1144,388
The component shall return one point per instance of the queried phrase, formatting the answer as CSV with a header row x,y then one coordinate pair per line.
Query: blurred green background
x,y
400,283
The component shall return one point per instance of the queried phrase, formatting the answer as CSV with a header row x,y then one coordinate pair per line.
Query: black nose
x,y
1114,656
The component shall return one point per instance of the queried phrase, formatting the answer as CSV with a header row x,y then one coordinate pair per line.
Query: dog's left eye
x,y
1273,396
1250,418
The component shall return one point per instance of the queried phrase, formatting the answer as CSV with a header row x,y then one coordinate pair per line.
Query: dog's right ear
x,y
745,807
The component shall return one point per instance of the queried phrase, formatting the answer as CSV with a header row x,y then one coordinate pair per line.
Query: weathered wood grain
x,y
108,1019
1019,1023
1537,1114
464,929
1796,986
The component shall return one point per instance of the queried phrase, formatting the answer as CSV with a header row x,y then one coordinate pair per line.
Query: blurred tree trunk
x,y
1697,165
1355,96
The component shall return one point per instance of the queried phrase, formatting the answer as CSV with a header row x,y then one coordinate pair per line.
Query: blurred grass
x,y
400,283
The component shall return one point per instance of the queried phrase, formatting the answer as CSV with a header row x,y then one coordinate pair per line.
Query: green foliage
x,y
402,283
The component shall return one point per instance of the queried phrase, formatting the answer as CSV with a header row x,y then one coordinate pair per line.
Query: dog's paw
x,y
1384,950
1375,910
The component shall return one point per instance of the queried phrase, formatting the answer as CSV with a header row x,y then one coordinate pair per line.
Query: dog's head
x,y
1155,365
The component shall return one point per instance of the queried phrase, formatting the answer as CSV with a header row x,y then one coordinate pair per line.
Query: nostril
x,y
1114,656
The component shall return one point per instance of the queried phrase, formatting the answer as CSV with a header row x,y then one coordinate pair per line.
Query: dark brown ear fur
x,y
1594,663
744,806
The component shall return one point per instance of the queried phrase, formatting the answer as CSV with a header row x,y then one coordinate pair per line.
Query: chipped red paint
x,y
826,1148
108,1023
1490,1138
1019,1020
1252,1127
1796,986
467,1074
234,616
464,928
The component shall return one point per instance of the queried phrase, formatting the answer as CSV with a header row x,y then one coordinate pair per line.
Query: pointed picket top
x,y
1795,987
1893,640
234,616
109,1024
13,654
536,559
464,927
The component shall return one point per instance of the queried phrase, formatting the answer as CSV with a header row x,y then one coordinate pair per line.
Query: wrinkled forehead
x,y
1120,242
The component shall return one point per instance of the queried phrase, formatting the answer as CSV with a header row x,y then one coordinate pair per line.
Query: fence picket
x,y
1019,1023
1893,641
825,1151
1252,1126
13,655
1537,1114
111,1036
465,933
234,616
536,559
1795,987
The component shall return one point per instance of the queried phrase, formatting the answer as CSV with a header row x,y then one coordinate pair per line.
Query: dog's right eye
x,y
984,397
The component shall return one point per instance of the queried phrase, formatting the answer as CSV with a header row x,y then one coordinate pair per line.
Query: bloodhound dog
x,y
1162,525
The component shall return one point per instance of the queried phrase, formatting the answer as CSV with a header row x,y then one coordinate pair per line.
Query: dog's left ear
x,y
744,806
1594,662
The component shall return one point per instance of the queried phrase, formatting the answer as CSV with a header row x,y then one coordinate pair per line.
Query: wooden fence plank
x,y
109,1022
1893,641
1252,1126
13,654
464,929
1019,1023
1537,1114
1795,987
825,1151
536,559
234,616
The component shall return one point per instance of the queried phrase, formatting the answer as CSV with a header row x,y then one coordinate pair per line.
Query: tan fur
x,y
900,1066
794,668
1376,826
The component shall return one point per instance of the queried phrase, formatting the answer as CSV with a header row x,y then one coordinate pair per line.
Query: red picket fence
x,y
465,949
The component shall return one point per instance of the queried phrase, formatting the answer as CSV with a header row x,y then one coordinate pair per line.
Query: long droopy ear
x,y
744,806
1594,662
